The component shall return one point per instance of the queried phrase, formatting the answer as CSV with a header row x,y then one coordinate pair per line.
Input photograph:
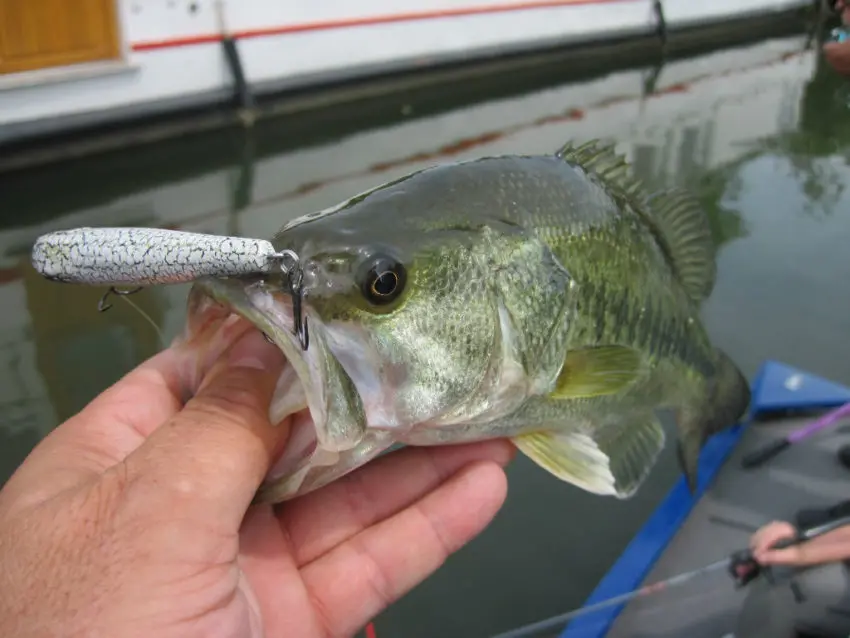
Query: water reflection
x,y
817,148
81,351
755,132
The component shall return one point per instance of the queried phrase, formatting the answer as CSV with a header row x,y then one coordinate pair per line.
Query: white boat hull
x,y
171,54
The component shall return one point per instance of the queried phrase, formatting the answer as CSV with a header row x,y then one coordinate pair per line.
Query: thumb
x,y
210,458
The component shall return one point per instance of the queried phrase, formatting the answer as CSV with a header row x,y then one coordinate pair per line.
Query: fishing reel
x,y
744,568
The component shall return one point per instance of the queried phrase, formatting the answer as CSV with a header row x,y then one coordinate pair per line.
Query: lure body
x,y
146,256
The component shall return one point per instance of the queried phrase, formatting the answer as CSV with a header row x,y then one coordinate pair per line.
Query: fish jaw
x,y
328,435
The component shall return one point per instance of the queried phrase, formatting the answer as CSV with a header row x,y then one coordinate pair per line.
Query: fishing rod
x,y
741,565
556,621
764,454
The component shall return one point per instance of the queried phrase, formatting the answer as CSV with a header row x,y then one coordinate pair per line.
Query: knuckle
x,y
376,578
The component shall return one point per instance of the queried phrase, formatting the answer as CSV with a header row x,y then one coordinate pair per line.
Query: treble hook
x,y
295,278
102,305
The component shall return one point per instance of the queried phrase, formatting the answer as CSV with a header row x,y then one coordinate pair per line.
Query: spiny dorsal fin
x,y
687,235
601,159
676,218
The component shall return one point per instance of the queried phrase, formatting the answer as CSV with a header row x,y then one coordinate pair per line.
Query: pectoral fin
x,y
596,371
614,461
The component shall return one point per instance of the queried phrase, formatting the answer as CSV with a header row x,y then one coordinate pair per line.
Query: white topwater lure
x,y
149,256
146,256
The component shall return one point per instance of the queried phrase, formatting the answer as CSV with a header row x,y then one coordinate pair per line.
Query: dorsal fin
x,y
675,217
684,225
601,159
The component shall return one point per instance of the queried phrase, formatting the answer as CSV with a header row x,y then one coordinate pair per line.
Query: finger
x,y
104,432
319,521
771,533
780,531
359,578
788,556
211,457
756,539
769,540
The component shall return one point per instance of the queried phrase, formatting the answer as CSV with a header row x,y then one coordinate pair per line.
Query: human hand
x,y
132,518
837,54
763,540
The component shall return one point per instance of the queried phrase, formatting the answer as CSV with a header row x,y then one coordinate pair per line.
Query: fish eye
x,y
382,279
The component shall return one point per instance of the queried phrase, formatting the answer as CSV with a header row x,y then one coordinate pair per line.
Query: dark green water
x,y
761,133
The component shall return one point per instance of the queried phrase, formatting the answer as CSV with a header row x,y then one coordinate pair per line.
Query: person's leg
x,y
768,610
814,602
826,610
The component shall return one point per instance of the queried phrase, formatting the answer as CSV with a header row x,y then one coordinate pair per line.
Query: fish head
x,y
405,311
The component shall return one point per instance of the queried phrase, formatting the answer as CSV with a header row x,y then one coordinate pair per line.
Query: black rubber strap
x,y
754,459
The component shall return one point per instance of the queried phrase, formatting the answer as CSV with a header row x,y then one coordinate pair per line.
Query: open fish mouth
x,y
328,434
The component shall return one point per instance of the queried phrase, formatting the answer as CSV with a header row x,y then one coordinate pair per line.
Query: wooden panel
x,y
37,34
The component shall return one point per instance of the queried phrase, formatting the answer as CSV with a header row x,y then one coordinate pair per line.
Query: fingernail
x,y
253,351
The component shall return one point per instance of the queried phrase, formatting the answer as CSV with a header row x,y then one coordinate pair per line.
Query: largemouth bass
x,y
548,299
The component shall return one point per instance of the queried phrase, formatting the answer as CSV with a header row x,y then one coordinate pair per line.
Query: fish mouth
x,y
309,390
